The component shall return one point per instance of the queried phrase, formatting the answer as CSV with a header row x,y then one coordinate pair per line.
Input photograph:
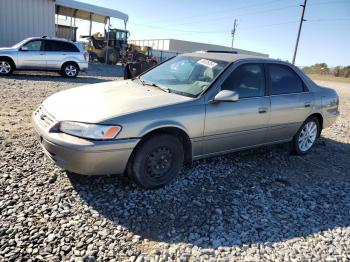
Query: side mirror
x,y
24,48
226,96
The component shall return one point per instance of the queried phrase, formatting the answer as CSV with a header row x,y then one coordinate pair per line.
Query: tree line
x,y
323,69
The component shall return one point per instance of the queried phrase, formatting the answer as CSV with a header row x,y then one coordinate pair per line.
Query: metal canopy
x,y
87,12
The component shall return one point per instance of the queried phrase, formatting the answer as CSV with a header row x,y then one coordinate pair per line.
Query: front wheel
x,y
69,70
306,137
6,67
157,161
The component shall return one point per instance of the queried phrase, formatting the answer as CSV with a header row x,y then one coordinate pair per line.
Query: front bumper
x,y
85,157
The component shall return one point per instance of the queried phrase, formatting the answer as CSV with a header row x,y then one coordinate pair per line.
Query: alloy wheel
x,y
71,70
5,67
307,136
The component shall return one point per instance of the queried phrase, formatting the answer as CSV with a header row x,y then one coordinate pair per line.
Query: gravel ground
x,y
260,204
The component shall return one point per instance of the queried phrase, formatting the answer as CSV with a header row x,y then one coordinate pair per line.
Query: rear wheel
x,y
69,70
306,137
157,161
140,57
112,56
6,67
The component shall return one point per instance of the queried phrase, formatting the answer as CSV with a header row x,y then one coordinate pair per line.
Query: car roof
x,y
227,57
50,38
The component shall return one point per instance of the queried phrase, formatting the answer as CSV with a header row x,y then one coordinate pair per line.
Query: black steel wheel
x,y
112,55
157,161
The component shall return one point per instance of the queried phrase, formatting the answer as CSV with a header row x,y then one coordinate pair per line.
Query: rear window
x,y
51,45
284,80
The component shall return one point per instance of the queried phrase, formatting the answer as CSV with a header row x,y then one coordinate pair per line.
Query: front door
x,y
240,124
32,56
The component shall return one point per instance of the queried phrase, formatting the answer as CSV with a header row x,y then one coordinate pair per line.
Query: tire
x,y
70,70
139,57
157,161
6,67
112,56
306,136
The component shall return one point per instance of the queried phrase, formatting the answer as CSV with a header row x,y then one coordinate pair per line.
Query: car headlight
x,y
91,131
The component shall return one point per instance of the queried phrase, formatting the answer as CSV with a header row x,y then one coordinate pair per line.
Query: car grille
x,y
43,118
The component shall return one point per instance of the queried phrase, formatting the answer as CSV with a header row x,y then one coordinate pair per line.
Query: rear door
x,y
244,123
57,52
32,55
291,102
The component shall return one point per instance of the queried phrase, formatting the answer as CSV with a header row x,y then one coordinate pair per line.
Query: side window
x,y
51,46
284,80
58,46
34,45
69,47
247,80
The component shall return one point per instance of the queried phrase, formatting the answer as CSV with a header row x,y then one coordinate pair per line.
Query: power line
x,y
269,25
187,32
222,11
215,19
328,20
236,15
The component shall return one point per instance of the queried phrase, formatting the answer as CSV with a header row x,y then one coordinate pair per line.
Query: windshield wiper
x,y
155,85
168,90
182,93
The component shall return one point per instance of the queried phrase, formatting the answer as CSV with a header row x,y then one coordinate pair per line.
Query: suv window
x,y
60,46
284,80
34,45
247,80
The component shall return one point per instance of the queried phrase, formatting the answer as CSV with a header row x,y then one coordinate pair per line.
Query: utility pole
x,y
300,25
233,32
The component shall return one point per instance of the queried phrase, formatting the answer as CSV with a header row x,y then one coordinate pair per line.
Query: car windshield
x,y
184,75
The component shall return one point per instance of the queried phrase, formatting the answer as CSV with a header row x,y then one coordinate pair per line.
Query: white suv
x,y
44,54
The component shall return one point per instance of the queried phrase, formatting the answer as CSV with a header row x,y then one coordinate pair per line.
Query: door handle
x,y
262,110
42,54
307,104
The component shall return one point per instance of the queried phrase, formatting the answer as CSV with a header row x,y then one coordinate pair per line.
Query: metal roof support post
x,y
57,14
90,27
125,46
70,24
109,24
73,26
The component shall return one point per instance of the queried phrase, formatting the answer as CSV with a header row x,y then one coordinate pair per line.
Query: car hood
x,y
6,49
99,102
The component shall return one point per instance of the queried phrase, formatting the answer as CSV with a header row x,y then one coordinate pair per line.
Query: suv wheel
x,y
157,161
306,137
70,70
6,67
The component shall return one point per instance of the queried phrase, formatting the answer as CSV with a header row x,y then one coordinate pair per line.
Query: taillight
x,y
85,56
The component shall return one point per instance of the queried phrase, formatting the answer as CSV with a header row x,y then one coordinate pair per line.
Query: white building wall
x,y
20,19
181,46
156,44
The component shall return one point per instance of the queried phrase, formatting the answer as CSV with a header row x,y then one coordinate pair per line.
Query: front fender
x,y
11,55
161,124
